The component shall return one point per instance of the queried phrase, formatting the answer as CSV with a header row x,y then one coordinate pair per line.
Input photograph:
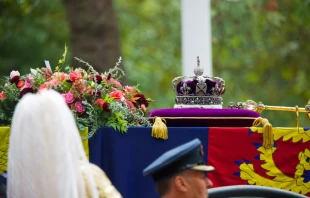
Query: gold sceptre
x,y
260,107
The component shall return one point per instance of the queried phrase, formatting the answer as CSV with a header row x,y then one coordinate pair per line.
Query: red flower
x,y
20,84
141,100
2,96
105,107
43,86
24,91
109,77
14,76
75,75
99,102
99,79
117,95
97,93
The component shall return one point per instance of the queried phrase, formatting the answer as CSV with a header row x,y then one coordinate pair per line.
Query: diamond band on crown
x,y
198,100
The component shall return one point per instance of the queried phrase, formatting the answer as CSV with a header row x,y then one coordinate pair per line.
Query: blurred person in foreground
x,y
181,172
46,156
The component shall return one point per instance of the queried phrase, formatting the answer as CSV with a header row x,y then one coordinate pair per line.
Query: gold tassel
x,y
267,131
159,129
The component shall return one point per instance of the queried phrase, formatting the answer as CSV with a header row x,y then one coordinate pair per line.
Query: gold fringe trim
x,y
159,129
268,140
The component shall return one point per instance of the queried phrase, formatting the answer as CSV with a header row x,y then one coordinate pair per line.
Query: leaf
x,y
34,72
99,87
81,127
62,61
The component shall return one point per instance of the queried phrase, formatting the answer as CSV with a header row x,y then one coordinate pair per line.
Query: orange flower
x,y
43,86
99,102
20,84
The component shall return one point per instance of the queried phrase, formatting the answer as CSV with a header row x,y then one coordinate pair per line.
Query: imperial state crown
x,y
198,91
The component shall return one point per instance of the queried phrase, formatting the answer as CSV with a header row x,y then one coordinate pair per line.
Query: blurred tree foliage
x,y
151,46
260,48
31,32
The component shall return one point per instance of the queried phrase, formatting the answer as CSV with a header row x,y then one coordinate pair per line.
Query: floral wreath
x,y
95,99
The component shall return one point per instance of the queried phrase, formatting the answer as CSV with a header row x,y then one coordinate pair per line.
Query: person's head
x,y
45,150
181,172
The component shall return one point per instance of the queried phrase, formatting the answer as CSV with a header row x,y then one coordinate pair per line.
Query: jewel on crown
x,y
198,91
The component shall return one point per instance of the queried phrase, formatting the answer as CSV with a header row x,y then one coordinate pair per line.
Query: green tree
x,y
150,33
261,49
30,33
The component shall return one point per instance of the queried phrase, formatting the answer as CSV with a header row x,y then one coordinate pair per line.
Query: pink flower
x,y
14,76
79,107
69,97
130,104
75,75
115,82
27,84
59,76
130,89
2,96
54,83
30,78
117,95
143,108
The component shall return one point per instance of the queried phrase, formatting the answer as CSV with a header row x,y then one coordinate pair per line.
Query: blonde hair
x,y
104,185
45,151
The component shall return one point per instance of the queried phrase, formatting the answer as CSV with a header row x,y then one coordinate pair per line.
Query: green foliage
x,y
62,61
83,92
30,33
7,106
150,34
261,53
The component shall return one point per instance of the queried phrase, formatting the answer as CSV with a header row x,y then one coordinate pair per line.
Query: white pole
x,y
196,36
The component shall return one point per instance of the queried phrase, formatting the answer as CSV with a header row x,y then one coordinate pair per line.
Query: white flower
x,y
14,73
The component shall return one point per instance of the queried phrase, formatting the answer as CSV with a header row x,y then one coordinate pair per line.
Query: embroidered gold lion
x,y
301,181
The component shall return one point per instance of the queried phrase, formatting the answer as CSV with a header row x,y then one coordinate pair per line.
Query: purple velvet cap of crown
x,y
229,114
